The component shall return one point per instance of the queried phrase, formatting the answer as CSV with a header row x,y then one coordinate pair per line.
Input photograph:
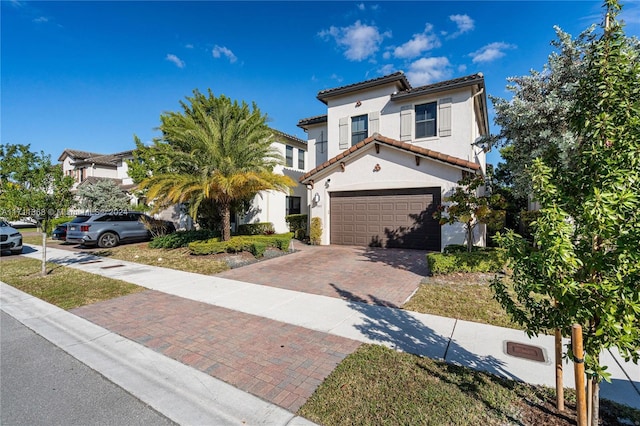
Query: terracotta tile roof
x,y
95,179
286,135
77,154
377,138
390,78
80,157
312,120
440,86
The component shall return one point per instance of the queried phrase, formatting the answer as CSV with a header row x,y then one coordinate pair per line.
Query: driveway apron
x,y
385,277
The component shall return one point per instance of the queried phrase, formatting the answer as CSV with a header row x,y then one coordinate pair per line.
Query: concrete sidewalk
x,y
478,346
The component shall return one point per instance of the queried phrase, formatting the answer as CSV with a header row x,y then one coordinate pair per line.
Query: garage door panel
x,y
387,218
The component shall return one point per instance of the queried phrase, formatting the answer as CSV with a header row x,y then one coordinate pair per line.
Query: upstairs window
x,y
301,159
359,129
426,120
289,156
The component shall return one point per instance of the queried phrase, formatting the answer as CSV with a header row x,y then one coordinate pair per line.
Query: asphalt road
x,y
43,385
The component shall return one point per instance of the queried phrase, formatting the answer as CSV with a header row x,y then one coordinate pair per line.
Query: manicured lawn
x,y
179,259
379,386
465,296
64,287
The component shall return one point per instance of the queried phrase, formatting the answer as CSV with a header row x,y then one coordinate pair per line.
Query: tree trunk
x,y
559,375
469,237
43,272
595,402
225,209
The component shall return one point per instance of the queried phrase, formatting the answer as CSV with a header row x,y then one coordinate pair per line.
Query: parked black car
x,y
60,233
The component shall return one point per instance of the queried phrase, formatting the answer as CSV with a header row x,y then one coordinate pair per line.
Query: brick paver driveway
x,y
371,275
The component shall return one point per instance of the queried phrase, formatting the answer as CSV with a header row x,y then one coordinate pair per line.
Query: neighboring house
x,y
267,206
89,167
273,206
386,154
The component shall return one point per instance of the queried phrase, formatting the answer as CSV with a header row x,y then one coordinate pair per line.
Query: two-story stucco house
x,y
385,155
273,206
88,167
267,206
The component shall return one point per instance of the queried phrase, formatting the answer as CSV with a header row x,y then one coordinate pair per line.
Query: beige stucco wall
x,y
398,169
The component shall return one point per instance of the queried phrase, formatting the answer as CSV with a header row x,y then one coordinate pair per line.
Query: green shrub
x,y
526,218
300,234
315,235
182,238
57,221
261,228
255,244
462,248
476,261
297,222
257,249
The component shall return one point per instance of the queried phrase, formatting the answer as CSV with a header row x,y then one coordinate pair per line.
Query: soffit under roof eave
x,y
321,174
398,81
417,93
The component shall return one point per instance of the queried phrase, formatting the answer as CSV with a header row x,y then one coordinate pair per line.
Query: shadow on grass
x,y
388,325
385,323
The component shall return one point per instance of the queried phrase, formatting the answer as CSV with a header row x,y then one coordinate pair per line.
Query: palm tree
x,y
220,153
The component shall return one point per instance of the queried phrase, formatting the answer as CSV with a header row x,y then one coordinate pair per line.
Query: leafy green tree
x,y
466,206
103,195
214,152
584,266
534,122
30,185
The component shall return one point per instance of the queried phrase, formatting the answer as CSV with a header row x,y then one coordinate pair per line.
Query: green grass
x,y
64,287
379,386
376,385
179,259
33,237
462,296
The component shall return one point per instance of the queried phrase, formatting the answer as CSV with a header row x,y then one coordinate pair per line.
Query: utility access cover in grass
x,y
521,350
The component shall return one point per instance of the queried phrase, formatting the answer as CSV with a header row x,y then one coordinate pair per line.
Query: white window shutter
x,y
406,122
374,122
444,116
344,133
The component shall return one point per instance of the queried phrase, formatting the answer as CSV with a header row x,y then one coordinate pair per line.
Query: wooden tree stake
x,y
578,368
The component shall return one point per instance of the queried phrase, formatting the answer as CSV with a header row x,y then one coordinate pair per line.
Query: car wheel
x,y
19,251
108,240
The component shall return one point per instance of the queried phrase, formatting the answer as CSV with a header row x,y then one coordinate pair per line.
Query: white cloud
x,y
189,46
359,41
219,51
41,19
491,52
464,24
420,43
336,77
177,61
427,70
462,68
387,69
361,6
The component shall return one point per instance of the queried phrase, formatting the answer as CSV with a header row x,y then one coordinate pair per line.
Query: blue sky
x,y
90,75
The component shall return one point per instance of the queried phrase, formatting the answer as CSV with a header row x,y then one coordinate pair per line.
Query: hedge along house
x,y
273,206
385,156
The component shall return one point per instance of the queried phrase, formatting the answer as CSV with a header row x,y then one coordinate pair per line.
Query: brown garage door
x,y
386,218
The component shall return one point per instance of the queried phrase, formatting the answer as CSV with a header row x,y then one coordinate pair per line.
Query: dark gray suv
x,y
109,229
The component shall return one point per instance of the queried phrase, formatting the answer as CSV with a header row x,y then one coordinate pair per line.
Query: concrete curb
x,y
181,393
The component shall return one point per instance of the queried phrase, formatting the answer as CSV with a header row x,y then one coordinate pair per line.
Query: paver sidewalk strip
x,y
181,393
474,345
